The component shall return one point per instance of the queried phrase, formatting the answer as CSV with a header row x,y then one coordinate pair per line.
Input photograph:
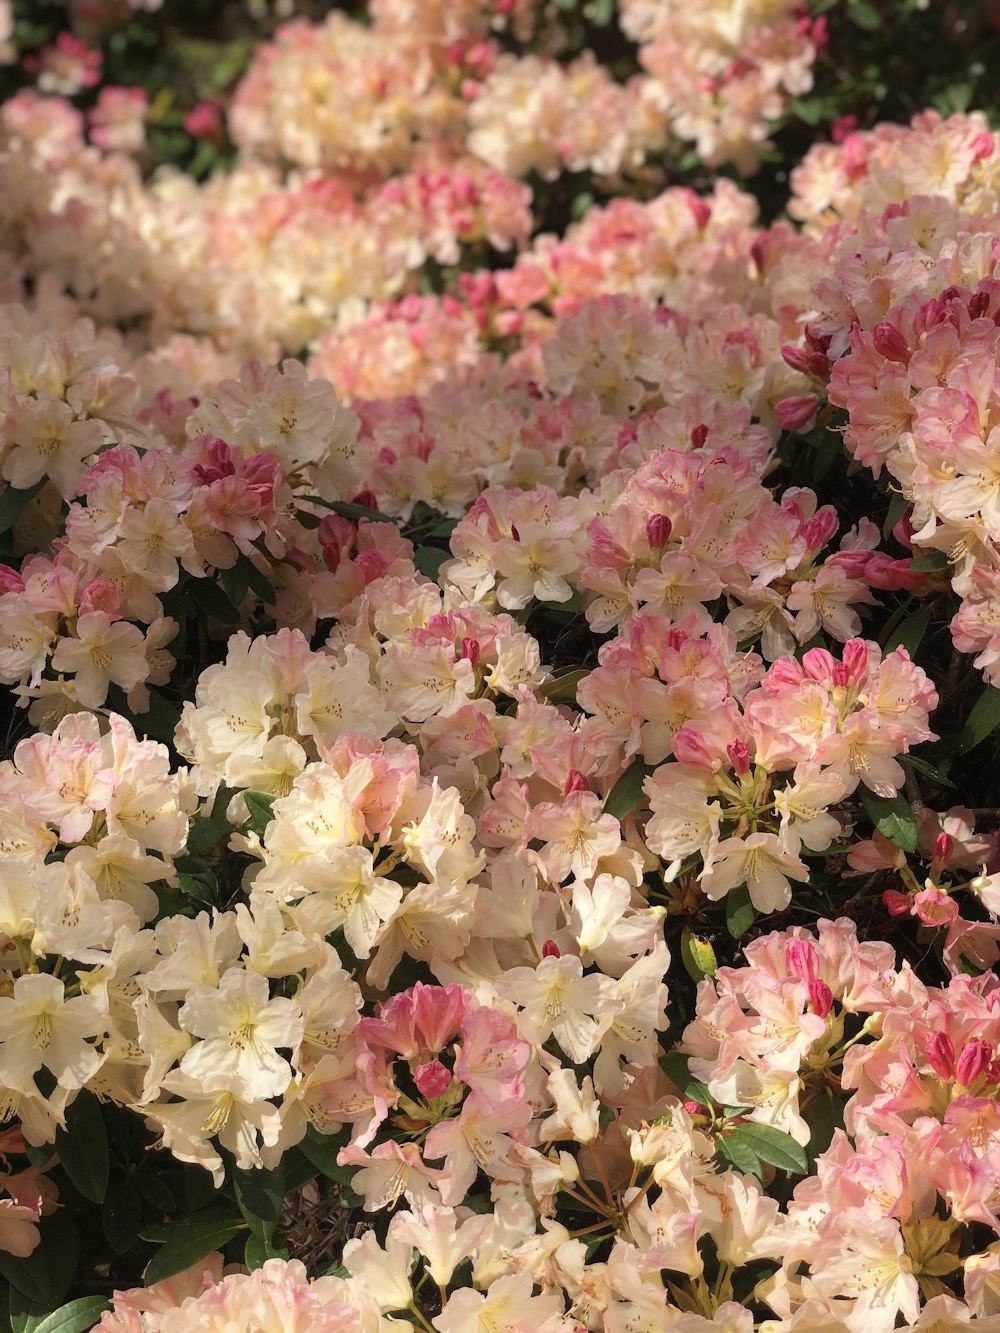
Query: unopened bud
x,y
471,651
551,950
970,1064
796,412
432,1079
575,781
699,435
896,903
802,960
658,531
367,499
944,847
739,757
821,998
890,343
940,1051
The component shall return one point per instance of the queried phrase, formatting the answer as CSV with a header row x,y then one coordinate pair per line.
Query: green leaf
x,y
429,559
866,16
260,1194
13,504
76,1317
260,1247
351,511
321,1151
260,584
201,889
627,794
898,506
983,720
213,601
740,1153
697,955
206,830
773,1146
933,562
261,807
563,686
740,912
910,632
236,581
929,771
121,1216
893,817
83,1147
159,721
675,1066
823,1114
185,1241
44,1276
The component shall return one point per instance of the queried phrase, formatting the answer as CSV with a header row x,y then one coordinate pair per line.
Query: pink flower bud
x,y
699,435
551,950
575,782
842,127
739,756
796,412
882,571
758,253
331,556
983,146
694,1108
943,849
970,1064
940,1051
471,650
432,1079
821,998
10,580
890,343
796,357
896,903
802,960
367,499
204,121
700,208
820,528
101,595
979,304
658,531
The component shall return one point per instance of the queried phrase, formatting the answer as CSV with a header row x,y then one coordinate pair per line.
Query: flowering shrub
x,y
501,648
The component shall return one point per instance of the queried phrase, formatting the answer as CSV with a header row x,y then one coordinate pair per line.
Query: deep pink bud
x,y
890,343
796,357
970,1064
882,571
10,580
694,1108
575,782
796,412
982,145
367,499
551,950
802,959
840,675
940,1051
820,528
739,756
758,252
978,305
842,127
658,531
944,847
699,435
896,903
432,1079
821,998
700,208
331,556
471,651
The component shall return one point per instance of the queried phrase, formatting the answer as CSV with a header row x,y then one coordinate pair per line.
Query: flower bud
x,y
575,781
739,756
890,343
471,650
658,531
795,413
944,847
821,998
970,1064
367,499
551,950
896,903
940,1051
802,960
699,435
432,1079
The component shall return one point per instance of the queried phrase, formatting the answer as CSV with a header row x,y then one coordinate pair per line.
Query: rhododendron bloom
x,y
40,1028
759,862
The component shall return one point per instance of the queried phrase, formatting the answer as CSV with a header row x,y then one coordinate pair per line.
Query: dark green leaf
x,y
675,1066
83,1147
121,1216
76,1317
321,1150
934,562
155,1190
45,1275
898,506
201,889
740,1153
159,721
740,912
351,511
563,686
866,16
206,830
823,1115
627,794
260,1247
13,503
260,1194
982,721
929,771
772,1145
911,631
893,817
236,581
261,807
429,559
213,601
260,584
185,1241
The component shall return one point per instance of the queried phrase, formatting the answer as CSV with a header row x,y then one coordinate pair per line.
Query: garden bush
x,y
500,646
